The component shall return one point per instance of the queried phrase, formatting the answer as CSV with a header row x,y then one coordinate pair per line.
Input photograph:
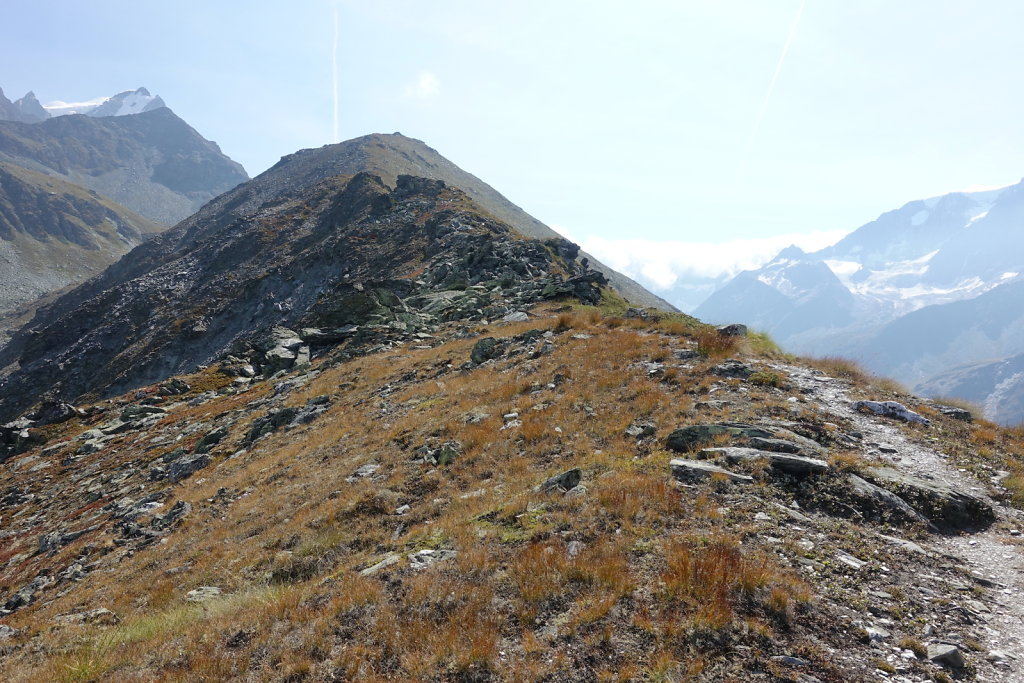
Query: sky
x,y
669,137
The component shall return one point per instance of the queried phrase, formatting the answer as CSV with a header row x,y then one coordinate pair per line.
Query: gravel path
x,y
986,554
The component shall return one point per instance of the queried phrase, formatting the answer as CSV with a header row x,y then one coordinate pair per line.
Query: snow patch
x,y
975,219
135,103
1007,276
843,269
919,217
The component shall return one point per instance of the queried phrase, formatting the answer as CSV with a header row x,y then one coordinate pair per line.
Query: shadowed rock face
x,y
153,163
389,156
345,251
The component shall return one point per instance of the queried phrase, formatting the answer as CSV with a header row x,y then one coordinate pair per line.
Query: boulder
x,y
641,429
891,409
211,439
315,336
101,616
174,387
733,330
52,411
775,445
946,507
186,467
565,481
869,499
393,558
17,437
135,411
203,593
946,654
955,413
485,349
422,559
691,471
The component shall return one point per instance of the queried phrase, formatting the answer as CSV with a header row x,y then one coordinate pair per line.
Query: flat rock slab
x,y
776,445
797,465
689,471
203,593
944,506
393,558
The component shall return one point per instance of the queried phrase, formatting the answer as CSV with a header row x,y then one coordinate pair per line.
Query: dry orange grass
x,y
711,344
288,547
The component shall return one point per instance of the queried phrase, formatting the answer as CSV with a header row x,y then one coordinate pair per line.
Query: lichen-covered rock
x,y
484,350
186,467
876,502
733,330
211,439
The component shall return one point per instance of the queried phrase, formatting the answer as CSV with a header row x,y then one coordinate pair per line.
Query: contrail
x,y
775,76
334,67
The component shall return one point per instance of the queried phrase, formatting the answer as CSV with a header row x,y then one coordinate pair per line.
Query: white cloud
x,y
60,108
662,263
427,86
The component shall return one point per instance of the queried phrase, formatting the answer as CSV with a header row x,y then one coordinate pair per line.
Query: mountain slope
x,y
54,234
996,386
426,512
152,163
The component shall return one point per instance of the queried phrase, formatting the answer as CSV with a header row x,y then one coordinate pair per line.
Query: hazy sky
x,y
648,121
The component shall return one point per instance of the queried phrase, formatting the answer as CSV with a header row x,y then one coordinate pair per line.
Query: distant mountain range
x,y
27,109
78,192
915,294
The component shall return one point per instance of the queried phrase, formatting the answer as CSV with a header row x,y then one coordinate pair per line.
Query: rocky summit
x,y
389,156
342,426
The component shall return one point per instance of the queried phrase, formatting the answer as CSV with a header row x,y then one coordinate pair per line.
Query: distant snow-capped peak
x,y
121,104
